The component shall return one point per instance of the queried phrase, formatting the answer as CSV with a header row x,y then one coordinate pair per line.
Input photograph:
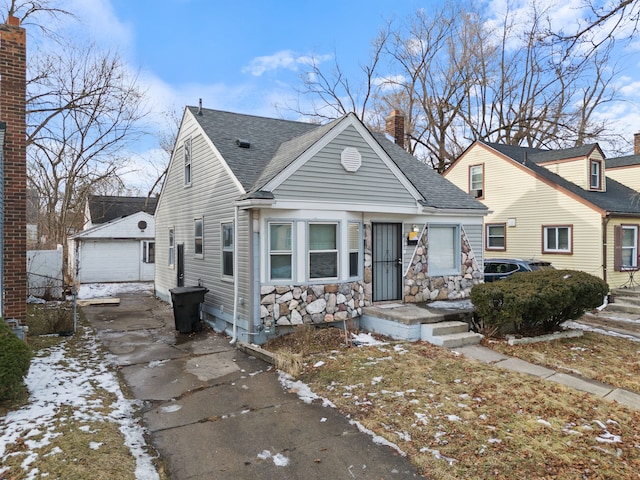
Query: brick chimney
x,y
636,143
395,127
13,72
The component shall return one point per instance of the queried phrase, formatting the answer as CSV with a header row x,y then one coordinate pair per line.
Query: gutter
x,y
605,223
234,337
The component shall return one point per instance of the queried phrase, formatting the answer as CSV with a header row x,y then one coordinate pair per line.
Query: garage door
x,y
109,261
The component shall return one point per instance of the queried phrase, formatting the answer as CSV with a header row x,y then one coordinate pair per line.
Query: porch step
x,y
623,307
451,334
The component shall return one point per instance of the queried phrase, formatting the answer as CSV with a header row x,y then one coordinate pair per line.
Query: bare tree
x,y
83,108
459,77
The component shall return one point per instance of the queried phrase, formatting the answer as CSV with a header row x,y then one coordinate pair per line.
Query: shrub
x,y
15,357
536,302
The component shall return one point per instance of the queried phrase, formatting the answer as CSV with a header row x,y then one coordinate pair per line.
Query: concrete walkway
x,y
215,412
484,354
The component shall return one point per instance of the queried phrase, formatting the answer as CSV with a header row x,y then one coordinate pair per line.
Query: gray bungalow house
x,y
288,223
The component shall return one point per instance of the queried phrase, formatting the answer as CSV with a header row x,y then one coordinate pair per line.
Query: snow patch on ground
x,y
56,381
103,290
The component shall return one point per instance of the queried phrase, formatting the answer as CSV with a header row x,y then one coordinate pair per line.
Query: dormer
x,y
583,165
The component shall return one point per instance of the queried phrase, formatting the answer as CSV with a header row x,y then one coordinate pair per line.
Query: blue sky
x,y
246,55
239,55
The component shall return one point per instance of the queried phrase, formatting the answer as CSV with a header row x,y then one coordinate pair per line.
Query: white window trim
x,y
358,251
171,257
504,236
471,168
545,247
597,176
145,251
226,249
457,251
195,254
290,252
634,249
188,161
336,250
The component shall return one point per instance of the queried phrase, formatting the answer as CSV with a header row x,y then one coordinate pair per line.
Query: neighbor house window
x,y
148,252
198,236
557,239
172,247
354,249
280,253
596,166
227,249
323,250
476,180
496,236
626,247
187,162
444,250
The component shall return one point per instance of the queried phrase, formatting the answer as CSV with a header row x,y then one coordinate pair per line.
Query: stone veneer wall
x,y
419,287
295,305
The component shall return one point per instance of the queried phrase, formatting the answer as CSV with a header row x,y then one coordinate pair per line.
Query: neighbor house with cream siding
x,y
554,205
289,223
625,170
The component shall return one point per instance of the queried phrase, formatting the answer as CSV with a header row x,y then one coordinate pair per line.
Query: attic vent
x,y
351,159
243,143
142,224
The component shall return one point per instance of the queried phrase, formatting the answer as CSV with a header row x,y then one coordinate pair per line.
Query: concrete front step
x,y
443,328
449,334
455,340
625,292
623,307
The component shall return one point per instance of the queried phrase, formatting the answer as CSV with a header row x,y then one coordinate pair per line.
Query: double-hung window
x,y
444,249
227,249
323,250
172,247
476,180
280,252
496,236
198,237
557,239
354,249
187,162
148,251
626,247
595,176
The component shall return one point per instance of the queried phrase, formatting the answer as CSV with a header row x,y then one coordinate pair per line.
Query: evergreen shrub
x,y
15,358
539,302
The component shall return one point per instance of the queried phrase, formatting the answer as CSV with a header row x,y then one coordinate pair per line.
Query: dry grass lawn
x,y
611,360
461,419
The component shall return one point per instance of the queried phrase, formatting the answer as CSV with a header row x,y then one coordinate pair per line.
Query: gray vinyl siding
x,y
323,177
211,197
474,237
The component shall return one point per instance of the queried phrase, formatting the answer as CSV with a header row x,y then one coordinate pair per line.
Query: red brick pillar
x,y
13,72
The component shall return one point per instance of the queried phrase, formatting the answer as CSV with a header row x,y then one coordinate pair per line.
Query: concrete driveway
x,y
216,412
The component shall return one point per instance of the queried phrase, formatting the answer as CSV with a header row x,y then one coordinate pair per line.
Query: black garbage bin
x,y
186,307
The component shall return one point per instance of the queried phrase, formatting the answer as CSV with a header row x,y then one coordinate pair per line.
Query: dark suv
x,y
499,268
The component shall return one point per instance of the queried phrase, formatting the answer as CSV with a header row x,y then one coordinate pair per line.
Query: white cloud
x,y
284,59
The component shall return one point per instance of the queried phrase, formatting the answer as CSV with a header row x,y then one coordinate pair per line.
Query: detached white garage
x,y
122,250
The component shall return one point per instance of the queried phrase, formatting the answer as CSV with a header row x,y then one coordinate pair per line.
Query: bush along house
x,y
289,223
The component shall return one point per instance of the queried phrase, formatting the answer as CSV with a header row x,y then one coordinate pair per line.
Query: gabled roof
x,y
104,208
617,199
627,161
276,143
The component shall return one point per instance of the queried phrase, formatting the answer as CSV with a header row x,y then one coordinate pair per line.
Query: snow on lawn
x,y
57,380
103,290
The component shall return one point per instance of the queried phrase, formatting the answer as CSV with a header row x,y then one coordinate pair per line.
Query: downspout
x,y
234,336
605,223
